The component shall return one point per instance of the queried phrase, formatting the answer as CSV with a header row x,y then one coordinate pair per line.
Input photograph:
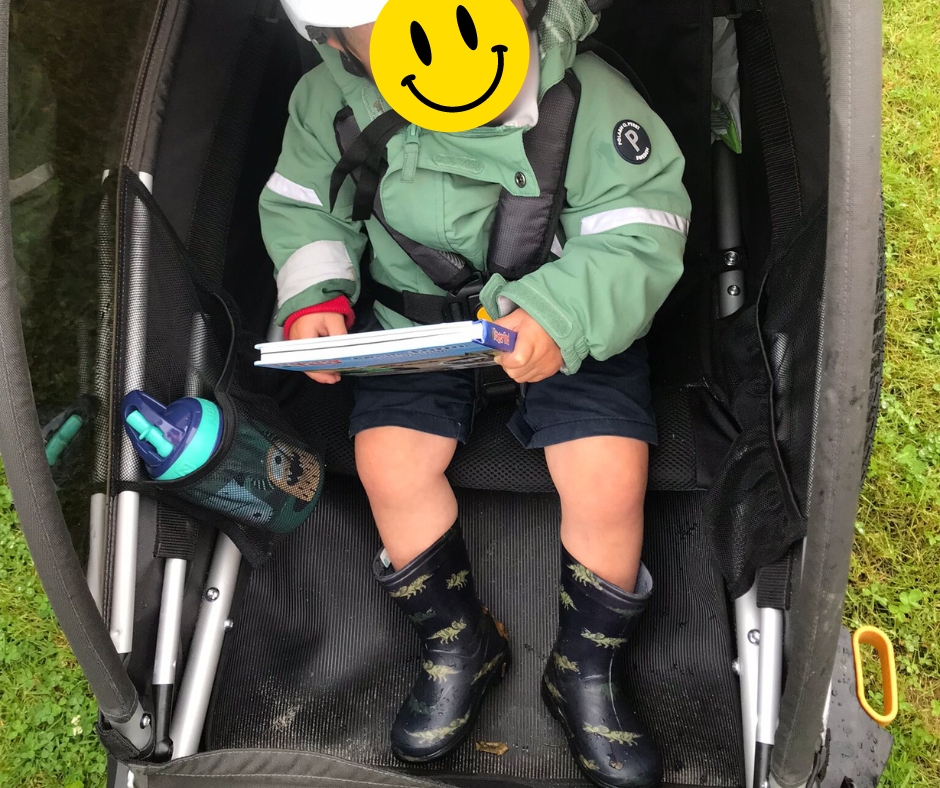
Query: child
x,y
580,320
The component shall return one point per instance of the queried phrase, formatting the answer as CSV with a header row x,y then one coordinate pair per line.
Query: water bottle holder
x,y
262,481
261,477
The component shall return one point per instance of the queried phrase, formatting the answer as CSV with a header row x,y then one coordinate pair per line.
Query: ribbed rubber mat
x,y
319,660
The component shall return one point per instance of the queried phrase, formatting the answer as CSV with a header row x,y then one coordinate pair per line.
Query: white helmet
x,y
331,13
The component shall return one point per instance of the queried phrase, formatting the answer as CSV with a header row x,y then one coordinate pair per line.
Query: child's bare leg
x,y
412,501
602,482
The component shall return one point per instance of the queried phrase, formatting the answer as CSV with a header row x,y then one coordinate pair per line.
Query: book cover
x,y
394,352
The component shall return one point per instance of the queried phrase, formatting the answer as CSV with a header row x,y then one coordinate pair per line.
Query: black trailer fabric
x,y
319,659
851,277
257,768
765,359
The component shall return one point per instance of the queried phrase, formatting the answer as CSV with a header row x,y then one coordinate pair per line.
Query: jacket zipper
x,y
410,163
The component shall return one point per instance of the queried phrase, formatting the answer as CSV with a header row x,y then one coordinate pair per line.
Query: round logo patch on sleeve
x,y
632,142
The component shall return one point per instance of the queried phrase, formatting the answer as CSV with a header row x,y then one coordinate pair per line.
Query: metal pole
x,y
124,585
747,623
124,580
98,507
731,283
168,643
768,692
174,577
196,688
94,573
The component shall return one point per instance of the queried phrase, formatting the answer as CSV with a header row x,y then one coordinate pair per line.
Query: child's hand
x,y
319,324
536,356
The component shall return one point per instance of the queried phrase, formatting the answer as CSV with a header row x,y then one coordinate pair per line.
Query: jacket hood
x,y
565,23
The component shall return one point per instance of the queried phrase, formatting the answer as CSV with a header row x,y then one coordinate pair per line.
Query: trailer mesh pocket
x,y
179,336
262,482
756,508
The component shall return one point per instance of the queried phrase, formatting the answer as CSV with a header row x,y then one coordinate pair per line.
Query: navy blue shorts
x,y
602,398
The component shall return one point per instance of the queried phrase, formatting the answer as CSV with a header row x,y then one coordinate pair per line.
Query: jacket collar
x,y
493,154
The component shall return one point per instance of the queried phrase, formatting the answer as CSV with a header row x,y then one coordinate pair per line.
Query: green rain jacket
x,y
621,235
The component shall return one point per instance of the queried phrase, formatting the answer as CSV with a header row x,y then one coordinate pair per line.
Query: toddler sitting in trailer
x,y
616,232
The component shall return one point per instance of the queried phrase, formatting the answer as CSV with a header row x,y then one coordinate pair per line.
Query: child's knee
x,y
397,463
602,479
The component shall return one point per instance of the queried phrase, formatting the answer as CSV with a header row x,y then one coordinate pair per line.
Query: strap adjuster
x,y
464,302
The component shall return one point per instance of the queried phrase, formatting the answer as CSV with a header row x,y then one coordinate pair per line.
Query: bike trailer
x,y
227,621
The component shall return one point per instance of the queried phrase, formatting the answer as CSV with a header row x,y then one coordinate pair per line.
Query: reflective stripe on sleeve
x,y
557,248
278,184
31,180
311,265
620,217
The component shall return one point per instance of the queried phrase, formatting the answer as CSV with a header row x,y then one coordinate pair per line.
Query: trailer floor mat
x,y
319,660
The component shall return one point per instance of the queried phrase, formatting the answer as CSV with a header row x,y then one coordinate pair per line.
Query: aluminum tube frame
x,y
127,521
174,569
747,622
196,688
171,614
97,547
770,674
768,693
98,505
124,572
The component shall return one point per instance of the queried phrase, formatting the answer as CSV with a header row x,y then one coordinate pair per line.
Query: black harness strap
x,y
461,304
446,269
523,229
366,154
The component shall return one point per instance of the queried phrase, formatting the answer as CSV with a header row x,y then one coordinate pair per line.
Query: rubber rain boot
x,y
583,680
464,650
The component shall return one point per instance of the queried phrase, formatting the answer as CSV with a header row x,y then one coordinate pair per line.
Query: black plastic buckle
x,y
464,302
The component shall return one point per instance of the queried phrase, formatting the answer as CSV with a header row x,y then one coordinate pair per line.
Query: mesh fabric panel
x,y
176,338
757,506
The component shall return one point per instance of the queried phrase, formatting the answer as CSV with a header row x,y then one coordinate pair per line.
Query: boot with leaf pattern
x,y
583,685
464,650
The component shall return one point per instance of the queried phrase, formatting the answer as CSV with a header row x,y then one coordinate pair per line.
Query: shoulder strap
x,y
366,153
446,269
524,227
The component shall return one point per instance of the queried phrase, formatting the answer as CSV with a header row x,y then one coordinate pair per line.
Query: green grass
x,y
46,714
895,581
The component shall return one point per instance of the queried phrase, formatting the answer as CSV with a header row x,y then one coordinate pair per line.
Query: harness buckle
x,y
464,302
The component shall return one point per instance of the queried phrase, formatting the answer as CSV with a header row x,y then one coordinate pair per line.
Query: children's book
x,y
393,352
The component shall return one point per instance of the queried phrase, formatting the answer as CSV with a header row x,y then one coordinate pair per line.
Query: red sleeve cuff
x,y
340,305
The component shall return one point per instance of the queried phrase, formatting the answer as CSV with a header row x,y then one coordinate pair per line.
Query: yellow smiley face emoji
x,y
446,65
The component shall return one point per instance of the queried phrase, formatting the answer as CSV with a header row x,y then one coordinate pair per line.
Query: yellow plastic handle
x,y
878,640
